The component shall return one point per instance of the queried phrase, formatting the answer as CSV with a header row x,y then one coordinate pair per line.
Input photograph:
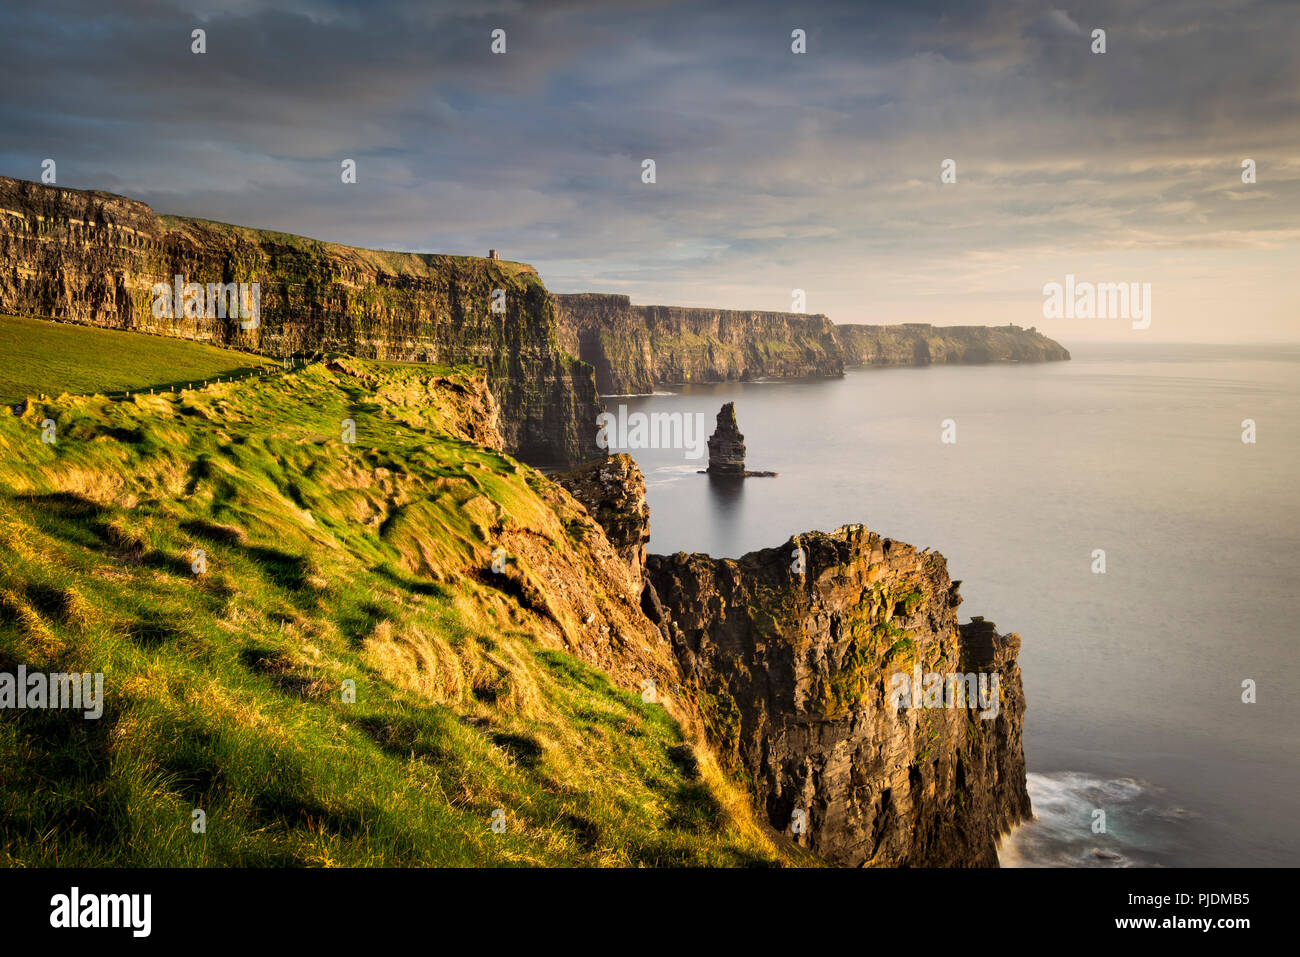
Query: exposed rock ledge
x,y
633,348
613,492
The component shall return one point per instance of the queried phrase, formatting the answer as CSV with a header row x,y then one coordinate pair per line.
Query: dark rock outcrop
x,y
613,492
793,671
92,257
727,445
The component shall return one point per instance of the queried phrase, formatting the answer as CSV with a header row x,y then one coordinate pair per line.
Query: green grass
x,y
327,562
42,357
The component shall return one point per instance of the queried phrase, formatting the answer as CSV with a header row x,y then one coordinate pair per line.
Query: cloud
x,y
1056,23
821,167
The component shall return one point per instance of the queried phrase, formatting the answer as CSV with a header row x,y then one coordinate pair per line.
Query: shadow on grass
x,y
214,531
173,564
154,631
357,624
415,585
284,674
428,737
283,569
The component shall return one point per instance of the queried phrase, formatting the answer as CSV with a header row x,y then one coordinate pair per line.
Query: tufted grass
x,y
325,562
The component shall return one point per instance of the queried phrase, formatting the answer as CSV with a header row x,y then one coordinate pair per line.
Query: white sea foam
x,y
1062,834
667,474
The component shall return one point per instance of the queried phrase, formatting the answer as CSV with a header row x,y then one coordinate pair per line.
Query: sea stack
x,y
727,445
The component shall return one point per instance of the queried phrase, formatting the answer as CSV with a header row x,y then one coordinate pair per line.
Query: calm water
x,y
1133,676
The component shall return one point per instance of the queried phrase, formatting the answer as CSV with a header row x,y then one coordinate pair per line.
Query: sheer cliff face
x,y
797,675
913,344
633,348
94,258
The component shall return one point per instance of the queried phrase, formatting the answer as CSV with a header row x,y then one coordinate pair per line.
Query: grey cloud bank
x,y
775,170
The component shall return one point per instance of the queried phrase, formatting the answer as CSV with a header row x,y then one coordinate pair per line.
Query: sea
x,y
1133,514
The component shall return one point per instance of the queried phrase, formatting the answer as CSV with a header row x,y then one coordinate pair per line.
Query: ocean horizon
x,y
1134,675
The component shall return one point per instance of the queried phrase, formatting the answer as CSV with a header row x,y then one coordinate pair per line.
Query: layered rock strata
x,y
634,348
796,673
921,344
727,445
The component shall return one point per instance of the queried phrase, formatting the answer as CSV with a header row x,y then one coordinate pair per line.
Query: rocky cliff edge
x,y
797,658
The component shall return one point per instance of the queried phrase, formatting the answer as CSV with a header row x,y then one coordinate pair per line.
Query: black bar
x,y
941,908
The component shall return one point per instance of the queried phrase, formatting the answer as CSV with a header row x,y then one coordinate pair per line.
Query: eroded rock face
x,y
613,492
634,348
93,257
727,445
793,673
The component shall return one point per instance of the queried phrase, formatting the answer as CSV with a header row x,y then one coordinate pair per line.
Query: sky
x,y
775,171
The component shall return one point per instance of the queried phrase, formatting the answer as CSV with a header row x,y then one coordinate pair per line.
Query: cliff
x,y
92,257
634,348
794,670
919,344
793,664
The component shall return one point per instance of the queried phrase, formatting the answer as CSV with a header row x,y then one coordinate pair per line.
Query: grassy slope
x,y
325,561
50,358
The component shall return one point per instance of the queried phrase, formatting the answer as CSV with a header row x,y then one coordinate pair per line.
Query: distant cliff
x,y
793,673
634,348
93,257
920,344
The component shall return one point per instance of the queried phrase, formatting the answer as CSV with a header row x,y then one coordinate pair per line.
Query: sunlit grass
x,y
325,562
42,357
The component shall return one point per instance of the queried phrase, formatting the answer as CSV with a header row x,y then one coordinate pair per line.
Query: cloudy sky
x,y
775,171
